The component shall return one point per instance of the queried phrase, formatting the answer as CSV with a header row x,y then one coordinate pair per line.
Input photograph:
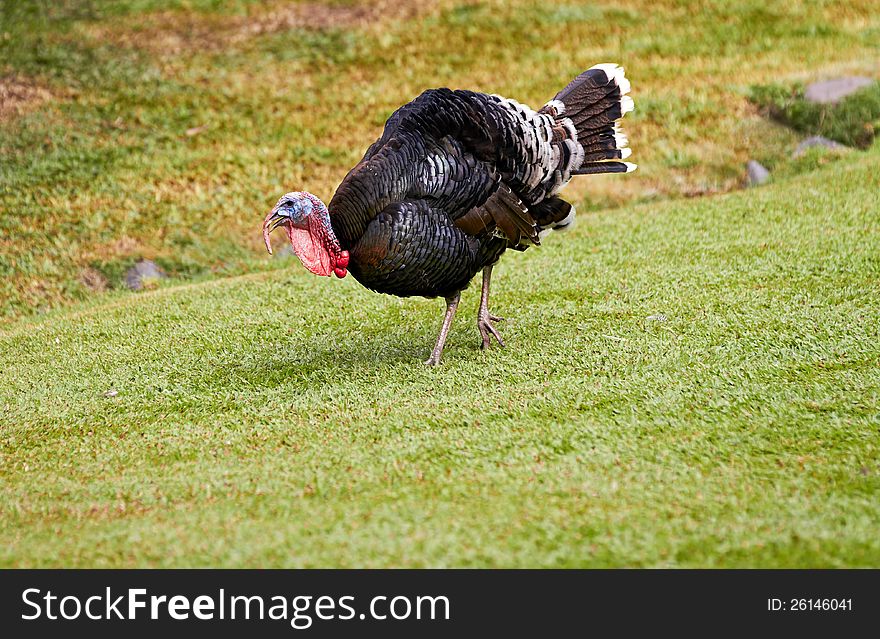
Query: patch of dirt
x,y
171,32
323,16
19,94
93,280
125,245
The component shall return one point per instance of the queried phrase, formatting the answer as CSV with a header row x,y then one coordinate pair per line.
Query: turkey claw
x,y
487,331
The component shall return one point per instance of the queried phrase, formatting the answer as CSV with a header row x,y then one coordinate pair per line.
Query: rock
x,y
833,91
816,140
756,173
142,273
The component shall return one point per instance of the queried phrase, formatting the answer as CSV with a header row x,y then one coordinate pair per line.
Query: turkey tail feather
x,y
590,168
553,214
593,103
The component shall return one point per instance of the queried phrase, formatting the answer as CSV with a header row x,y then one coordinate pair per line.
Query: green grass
x,y
853,121
688,382
286,420
104,173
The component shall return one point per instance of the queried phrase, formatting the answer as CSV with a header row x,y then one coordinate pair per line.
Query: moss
x,y
810,160
852,121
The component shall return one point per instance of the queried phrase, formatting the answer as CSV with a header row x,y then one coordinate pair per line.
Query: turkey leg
x,y
484,317
451,307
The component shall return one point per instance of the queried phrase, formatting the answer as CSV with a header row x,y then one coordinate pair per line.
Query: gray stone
x,y
816,140
756,173
833,91
141,271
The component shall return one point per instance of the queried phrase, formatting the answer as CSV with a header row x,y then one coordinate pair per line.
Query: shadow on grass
x,y
328,360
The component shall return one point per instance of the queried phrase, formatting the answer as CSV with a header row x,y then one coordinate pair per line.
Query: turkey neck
x,y
356,204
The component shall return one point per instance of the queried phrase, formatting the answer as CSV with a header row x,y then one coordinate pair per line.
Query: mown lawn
x,y
692,375
686,384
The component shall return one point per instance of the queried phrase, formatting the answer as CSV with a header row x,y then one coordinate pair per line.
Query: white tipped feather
x,y
608,67
562,225
625,153
567,222
630,167
621,81
557,106
615,73
577,155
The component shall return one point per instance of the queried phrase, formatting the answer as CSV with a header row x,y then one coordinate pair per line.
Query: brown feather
x,y
502,210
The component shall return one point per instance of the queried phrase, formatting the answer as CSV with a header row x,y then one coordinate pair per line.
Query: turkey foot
x,y
484,323
484,317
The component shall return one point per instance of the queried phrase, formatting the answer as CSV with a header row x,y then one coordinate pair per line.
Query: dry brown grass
x,y
266,111
19,94
93,280
176,32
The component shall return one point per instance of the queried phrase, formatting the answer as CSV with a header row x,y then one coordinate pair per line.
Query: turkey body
x,y
458,177
396,211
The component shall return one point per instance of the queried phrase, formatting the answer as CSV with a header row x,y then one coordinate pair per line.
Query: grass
x,y
689,381
853,121
281,419
104,173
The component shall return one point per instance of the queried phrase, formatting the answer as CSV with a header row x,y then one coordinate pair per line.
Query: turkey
x,y
455,180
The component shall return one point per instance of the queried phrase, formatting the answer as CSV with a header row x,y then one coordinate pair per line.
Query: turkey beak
x,y
272,222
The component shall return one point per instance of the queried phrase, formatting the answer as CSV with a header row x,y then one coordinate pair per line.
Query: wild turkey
x,y
456,179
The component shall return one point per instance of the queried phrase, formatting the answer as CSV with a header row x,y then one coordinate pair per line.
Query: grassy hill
x,y
166,129
692,375
282,419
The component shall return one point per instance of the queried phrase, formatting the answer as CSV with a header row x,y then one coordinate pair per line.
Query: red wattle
x,y
309,246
